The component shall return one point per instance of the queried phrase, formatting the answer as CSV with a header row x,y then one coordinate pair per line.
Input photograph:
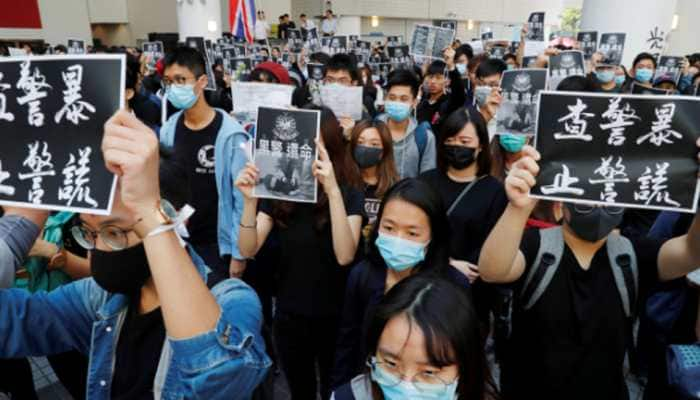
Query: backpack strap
x,y
464,192
545,266
420,135
344,392
623,262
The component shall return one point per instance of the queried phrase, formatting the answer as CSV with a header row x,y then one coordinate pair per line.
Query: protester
x,y
208,142
642,72
571,342
414,352
316,242
443,91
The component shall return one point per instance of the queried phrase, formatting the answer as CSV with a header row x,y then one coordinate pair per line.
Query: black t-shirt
x,y
571,344
138,353
195,150
311,282
475,215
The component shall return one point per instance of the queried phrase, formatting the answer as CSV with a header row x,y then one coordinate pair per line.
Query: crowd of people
x,y
417,274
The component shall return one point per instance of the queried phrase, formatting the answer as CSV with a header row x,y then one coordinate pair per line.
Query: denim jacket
x,y
229,160
227,362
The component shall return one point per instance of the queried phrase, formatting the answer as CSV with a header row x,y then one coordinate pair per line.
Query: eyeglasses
x,y
343,81
423,381
114,237
587,209
165,83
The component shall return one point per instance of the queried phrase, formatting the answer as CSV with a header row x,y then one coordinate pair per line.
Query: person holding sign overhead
x,y
132,312
316,243
577,289
208,142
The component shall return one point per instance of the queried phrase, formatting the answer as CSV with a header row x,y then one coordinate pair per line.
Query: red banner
x,y
20,14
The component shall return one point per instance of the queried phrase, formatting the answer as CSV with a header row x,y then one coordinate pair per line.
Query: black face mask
x,y
459,157
366,156
595,225
124,271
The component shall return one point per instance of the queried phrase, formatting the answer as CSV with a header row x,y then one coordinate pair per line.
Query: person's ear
x,y
202,82
129,94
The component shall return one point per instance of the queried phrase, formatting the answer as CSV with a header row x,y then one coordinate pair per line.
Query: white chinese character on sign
x,y
619,119
293,150
276,147
305,152
264,147
661,128
563,184
575,123
31,85
611,174
653,187
74,107
39,166
4,115
5,189
75,179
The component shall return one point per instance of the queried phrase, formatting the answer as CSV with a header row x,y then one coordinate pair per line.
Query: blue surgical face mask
x,y
397,110
461,68
605,76
182,97
685,82
620,80
400,254
481,94
512,143
510,67
406,390
643,75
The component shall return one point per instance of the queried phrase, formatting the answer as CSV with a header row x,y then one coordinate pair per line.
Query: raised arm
x,y
501,260
254,226
19,228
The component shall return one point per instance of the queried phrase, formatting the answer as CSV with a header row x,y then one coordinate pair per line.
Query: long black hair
x,y
421,195
448,321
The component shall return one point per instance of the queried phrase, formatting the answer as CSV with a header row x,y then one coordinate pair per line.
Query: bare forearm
x,y
248,234
344,241
501,247
681,255
76,267
189,308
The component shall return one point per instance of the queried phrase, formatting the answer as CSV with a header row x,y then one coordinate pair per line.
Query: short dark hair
x,y
436,67
452,125
61,48
186,57
302,16
319,58
577,84
465,50
492,66
403,77
343,62
510,56
644,56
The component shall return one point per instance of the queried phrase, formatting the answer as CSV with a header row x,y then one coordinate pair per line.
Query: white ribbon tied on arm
x,y
178,225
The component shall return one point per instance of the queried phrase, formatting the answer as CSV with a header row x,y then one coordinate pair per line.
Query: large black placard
x,y
52,115
634,151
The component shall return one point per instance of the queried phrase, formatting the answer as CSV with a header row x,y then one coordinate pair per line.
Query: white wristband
x,y
185,213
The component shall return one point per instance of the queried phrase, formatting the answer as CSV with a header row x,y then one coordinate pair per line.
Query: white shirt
x,y
309,25
329,25
261,29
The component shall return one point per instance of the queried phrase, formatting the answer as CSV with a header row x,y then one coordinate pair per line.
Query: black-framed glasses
x,y
588,208
390,374
114,237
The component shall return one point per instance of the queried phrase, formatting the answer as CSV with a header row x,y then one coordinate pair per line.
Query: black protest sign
x,y
430,41
669,67
311,38
337,45
76,46
588,41
487,36
564,65
450,24
535,25
394,41
612,45
639,89
363,50
285,150
518,111
529,62
627,150
316,72
199,44
399,56
295,41
498,52
52,115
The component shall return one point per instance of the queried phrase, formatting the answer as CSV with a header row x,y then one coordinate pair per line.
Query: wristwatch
x,y
163,214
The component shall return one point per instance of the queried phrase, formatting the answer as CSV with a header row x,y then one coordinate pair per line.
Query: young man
x,y
262,28
207,142
146,319
570,334
329,26
414,144
487,97
306,23
436,103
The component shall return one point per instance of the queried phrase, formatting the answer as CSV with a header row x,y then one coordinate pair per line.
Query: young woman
x,y
505,150
642,72
410,237
314,242
371,148
423,343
